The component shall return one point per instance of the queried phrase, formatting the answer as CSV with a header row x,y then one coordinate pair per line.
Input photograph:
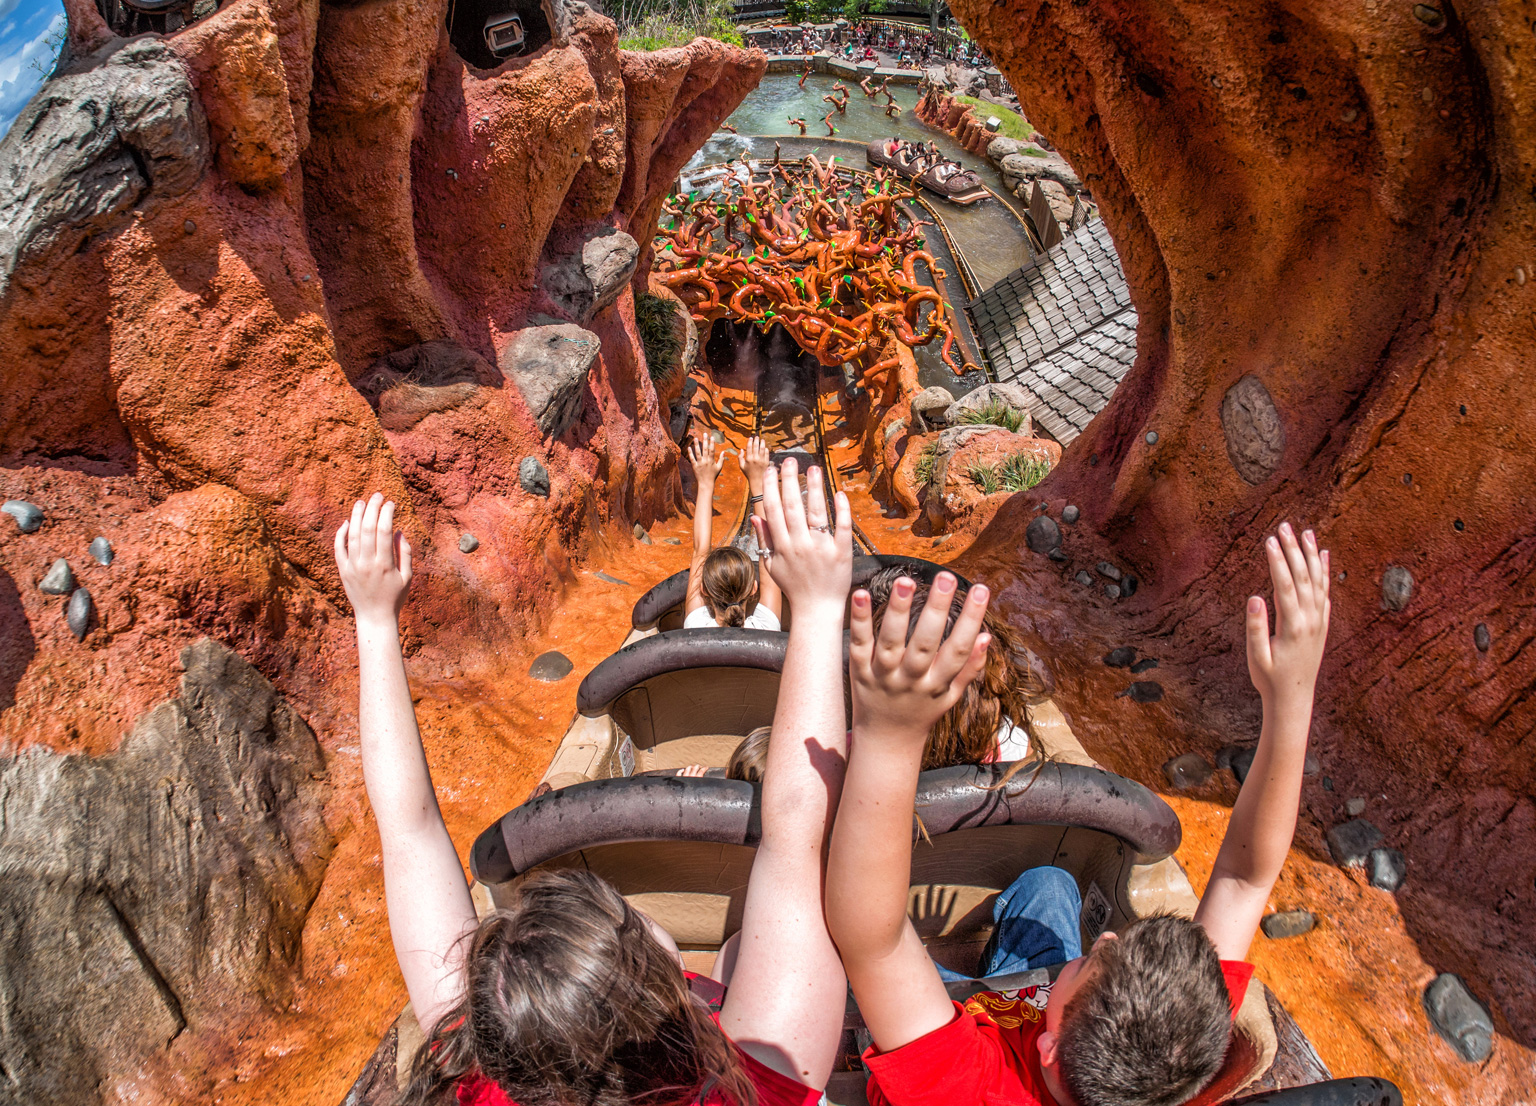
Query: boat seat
x,y
662,606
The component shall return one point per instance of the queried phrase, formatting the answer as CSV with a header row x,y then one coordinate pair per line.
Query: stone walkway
x,y
1063,328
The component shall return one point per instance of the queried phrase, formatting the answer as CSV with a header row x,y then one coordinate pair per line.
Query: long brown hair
x,y
729,579
569,999
967,733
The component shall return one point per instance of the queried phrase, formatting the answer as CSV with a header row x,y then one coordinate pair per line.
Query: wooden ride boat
x,y
925,167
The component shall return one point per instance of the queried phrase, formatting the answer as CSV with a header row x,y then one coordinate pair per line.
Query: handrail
x,y
651,808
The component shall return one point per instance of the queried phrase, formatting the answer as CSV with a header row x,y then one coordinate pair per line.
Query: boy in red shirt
x,y
1144,1018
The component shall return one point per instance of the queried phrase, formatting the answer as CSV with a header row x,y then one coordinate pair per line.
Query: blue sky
x,y
28,33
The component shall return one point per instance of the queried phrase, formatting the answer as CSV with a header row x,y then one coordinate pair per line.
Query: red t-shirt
x,y
987,1054
772,1088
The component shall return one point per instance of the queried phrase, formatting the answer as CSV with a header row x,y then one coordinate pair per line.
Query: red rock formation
x,y
323,186
1324,215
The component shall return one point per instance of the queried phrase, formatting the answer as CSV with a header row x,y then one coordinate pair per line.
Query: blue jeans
x,y
1035,925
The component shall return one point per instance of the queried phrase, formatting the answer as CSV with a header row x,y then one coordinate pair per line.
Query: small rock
x,y
1085,579
1352,842
1058,556
1287,923
1327,783
928,408
1112,591
60,579
468,543
1430,16
641,536
1354,807
189,226
1396,588
1146,664
551,666
533,477
1121,657
77,616
1388,868
1070,514
1151,437
673,541
28,516
1458,1017
101,551
1145,691
1242,763
1481,637
1189,770
611,579
1311,766
1107,570
1042,534
1128,585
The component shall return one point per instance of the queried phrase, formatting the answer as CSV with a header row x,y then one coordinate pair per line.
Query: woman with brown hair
x,y
725,587
990,723
571,995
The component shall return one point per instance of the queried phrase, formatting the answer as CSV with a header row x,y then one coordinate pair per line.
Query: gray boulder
x,y
1018,168
117,129
28,516
60,579
583,283
549,365
1011,396
533,477
1456,1014
155,888
928,408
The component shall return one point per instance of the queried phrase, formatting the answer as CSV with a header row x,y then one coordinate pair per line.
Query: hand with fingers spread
x,y
755,463
1287,662
706,466
809,558
374,561
1283,667
901,687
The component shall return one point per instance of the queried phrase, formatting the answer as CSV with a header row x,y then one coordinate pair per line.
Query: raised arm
x,y
756,463
900,689
706,466
424,886
1284,670
787,993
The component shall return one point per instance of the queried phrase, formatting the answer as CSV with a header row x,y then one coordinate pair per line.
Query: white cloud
x,y
20,77
7,7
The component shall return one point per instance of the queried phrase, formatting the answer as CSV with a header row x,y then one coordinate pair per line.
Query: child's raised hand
x,y
809,558
374,561
1288,662
701,454
903,687
754,461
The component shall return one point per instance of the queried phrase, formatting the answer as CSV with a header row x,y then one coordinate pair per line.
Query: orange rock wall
x,y
185,383
1337,201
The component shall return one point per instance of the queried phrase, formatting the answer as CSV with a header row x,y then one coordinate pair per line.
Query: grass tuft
x,y
656,319
926,461
995,413
1017,472
646,25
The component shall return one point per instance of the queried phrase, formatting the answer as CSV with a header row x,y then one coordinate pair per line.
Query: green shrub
x,y
1017,472
656,319
995,413
1013,124
656,24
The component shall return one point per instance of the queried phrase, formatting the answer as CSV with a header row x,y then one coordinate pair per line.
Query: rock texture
x,y
157,889
1334,202
249,271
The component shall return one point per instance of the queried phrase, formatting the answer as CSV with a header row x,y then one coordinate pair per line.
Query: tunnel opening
x,y
487,33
